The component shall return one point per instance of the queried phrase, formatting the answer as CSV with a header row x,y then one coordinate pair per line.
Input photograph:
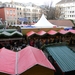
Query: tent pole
x,y
16,65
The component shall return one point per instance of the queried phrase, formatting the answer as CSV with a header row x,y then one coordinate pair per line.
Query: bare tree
x,y
57,12
50,10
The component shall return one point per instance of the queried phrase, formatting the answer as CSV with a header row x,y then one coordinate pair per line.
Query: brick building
x,y
8,15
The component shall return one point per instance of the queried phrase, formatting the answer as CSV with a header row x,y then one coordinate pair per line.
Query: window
x,y
72,15
10,11
8,5
13,11
70,11
68,7
20,13
28,10
17,8
7,11
20,8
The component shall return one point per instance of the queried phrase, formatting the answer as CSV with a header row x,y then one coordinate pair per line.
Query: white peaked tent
x,y
44,23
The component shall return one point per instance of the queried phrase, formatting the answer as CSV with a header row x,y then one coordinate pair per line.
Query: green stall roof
x,y
10,33
7,30
64,57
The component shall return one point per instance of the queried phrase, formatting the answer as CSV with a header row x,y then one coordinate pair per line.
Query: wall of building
x,y
38,70
2,13
32,12
10,16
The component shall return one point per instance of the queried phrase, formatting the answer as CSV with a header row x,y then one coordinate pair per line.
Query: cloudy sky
x,y
38,2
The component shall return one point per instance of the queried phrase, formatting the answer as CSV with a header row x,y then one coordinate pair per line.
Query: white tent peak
x,y
44,23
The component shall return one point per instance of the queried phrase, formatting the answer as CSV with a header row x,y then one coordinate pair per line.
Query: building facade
x,y
28,11
8,15
67,9
20,11
33,12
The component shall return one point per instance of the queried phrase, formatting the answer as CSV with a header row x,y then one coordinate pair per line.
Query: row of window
x,y
29,10
11,6
11,17
19,13
69,15
67,8
18,8
10,11
69,11
13,11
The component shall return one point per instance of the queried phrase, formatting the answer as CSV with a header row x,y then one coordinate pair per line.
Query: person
x,y
38,43
31,43
18,48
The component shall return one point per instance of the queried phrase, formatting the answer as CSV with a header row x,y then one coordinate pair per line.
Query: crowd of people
x,y
37,42
14,45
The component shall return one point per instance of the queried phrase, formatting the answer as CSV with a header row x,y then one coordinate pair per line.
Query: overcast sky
x,y
39,2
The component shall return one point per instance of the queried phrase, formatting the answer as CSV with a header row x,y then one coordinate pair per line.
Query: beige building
x,y
20,11
67,9
33,12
